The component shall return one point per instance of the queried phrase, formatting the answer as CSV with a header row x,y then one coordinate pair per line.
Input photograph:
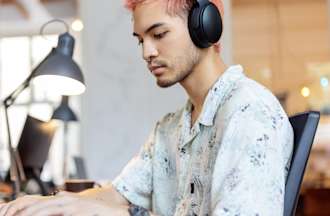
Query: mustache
x,y
158,63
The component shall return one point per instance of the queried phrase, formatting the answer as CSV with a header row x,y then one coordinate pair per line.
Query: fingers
x,y
4,209
54,210
15,206
55,205
2,205
63,204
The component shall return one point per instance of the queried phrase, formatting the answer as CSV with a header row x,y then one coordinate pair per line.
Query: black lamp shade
x,y
59,71
64,112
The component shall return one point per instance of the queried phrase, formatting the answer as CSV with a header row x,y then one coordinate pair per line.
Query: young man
x,y
226,152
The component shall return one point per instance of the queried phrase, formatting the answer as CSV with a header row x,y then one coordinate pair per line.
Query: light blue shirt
x,y
232,161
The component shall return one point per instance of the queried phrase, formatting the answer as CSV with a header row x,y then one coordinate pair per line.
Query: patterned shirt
x,y
233,161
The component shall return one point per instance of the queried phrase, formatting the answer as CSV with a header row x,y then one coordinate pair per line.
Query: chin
x,y
165,83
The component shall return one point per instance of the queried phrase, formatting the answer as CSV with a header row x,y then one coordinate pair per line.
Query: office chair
x,y
304,127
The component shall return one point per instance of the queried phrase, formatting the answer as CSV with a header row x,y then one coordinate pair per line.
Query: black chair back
x,y
304,127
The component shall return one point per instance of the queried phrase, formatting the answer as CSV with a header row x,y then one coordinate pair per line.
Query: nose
x,y
149,51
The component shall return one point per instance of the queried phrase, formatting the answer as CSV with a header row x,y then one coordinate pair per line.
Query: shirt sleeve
x,y
251,178
135,180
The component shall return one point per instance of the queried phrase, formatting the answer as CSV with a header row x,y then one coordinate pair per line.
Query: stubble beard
x,y
186,65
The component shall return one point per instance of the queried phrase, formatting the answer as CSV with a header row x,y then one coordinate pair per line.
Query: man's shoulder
x,y
249,91
251,97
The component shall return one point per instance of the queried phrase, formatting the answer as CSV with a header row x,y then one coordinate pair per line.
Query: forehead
x,y
149,12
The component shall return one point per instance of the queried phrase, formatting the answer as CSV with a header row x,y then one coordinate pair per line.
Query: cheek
x,y
174,50
178,40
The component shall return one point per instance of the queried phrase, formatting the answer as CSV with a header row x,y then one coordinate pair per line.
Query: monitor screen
x,y
35,141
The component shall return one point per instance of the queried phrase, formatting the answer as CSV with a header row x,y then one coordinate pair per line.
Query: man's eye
x,y
161,35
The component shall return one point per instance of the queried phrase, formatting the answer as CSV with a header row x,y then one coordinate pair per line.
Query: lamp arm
x,y
15,173
10,99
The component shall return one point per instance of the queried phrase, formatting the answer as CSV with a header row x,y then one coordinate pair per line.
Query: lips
x,y
157,70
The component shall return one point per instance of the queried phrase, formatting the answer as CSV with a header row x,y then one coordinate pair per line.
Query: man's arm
x,y
101,201
110,195
107,194
253,170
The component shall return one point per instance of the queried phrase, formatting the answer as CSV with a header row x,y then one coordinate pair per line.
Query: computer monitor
x,y
35,141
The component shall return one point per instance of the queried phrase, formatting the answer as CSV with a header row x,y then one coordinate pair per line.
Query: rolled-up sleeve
x,y
260,148
135,180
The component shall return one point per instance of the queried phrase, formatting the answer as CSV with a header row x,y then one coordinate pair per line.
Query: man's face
x,y
166,44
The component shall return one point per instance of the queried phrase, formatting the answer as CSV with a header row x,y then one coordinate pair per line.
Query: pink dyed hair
x,y
176,7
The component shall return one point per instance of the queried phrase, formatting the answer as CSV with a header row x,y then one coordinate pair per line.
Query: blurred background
x,y
283,44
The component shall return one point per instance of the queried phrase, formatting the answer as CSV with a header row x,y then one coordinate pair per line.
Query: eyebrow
x,y
156,25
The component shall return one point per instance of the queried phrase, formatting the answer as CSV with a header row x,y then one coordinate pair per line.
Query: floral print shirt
x,y
233,161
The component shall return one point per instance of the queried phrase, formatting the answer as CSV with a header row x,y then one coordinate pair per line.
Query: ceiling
x,y
24,17
14,10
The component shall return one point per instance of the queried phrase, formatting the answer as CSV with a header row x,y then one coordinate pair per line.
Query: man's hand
x,y
15,206
62,204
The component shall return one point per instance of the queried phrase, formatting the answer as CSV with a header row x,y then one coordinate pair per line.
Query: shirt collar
x,y
218,93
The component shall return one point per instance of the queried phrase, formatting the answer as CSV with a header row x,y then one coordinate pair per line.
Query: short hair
x,y
176,7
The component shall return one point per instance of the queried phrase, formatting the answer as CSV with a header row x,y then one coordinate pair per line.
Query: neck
x,y
202,78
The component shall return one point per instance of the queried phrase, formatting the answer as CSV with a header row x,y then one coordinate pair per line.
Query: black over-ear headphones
x,y
204,23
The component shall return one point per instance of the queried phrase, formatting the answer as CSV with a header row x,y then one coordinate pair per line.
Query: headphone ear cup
x,y
194,25
204,24
211,23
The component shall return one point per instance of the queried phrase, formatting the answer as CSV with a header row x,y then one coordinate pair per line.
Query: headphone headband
x,y
202,2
